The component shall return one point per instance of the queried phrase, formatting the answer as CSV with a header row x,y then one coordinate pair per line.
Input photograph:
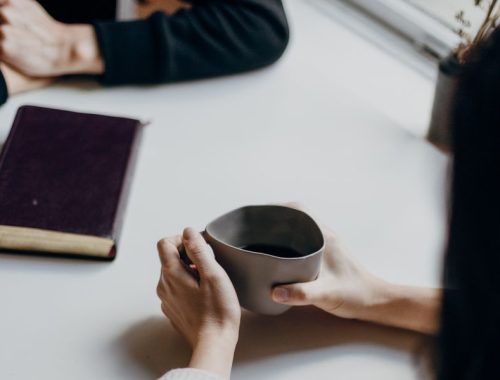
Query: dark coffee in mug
x,y
275,250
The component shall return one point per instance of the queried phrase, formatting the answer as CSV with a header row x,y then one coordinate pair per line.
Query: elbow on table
x,y
270,43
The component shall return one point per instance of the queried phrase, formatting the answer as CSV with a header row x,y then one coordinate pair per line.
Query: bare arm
x,y
345,289
406,307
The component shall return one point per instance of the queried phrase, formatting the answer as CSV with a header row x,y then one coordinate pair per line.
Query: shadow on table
x,y
85,84
154,345
82,83
53,263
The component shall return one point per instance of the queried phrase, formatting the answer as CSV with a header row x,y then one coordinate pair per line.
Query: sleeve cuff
x,y
4,93
190,374
129,50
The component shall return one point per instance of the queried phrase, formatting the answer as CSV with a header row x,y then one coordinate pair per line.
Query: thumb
x,y
296,294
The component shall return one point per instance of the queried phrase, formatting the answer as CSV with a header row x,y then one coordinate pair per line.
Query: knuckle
x,y
159,290
212,278
299,294
164,309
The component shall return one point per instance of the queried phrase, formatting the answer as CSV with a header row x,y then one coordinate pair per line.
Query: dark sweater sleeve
x,y
4,94
210,39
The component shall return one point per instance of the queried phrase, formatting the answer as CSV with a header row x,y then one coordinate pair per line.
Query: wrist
x,y
81,53
226,335
214,351
408,307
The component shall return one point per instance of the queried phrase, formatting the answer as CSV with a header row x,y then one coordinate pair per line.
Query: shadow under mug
x,y
263,246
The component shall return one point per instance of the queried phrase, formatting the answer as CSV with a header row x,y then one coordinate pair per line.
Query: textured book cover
x,y
64,180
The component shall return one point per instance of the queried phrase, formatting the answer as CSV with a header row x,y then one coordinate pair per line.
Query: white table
x,y
327,126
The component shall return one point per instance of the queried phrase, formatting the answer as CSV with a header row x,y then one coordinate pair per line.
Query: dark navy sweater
x,y
213,38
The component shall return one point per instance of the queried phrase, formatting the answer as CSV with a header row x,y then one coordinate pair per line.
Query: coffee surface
x,y
274,250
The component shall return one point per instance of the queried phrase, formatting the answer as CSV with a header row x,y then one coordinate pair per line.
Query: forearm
x,y
407,307
213,38
214,353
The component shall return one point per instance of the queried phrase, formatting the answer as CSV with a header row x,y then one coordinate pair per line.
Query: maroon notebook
x,y
64,180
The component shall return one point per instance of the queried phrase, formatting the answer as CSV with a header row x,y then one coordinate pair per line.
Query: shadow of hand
x,y
157,347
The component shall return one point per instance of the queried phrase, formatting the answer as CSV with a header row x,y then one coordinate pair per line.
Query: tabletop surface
x,y
330,125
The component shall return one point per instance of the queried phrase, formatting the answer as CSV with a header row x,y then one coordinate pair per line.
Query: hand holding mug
x,y
343,287
204,307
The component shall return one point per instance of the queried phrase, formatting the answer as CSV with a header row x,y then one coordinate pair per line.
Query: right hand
x,y
343,288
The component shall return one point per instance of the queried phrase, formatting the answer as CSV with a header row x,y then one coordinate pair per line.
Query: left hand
x,y
203,305
346,289
36,45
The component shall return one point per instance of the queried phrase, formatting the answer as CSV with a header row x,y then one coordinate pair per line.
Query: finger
x,y
199,252
14,44
169,255
10,15
306,293
174,273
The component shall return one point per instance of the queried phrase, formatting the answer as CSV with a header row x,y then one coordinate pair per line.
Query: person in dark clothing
x,y
468,342
211,38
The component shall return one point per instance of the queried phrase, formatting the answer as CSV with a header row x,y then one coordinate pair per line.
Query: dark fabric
x,y
80,11
470,332
4,94
213,38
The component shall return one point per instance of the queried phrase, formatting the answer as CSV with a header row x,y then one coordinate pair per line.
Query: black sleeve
x,y
212,38
4,94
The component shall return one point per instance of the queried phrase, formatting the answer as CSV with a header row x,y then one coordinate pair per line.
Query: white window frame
x,y
424,31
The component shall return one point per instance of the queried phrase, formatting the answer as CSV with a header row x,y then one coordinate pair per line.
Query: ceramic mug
x,y
263,246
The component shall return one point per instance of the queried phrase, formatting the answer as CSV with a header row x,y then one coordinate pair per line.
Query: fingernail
x,y
280,294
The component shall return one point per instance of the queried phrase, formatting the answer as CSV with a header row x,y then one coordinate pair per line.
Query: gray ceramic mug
x,y
263,246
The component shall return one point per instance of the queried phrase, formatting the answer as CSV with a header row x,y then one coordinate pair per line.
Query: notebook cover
x,y
67,171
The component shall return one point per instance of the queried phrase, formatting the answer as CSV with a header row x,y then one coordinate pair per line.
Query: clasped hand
x,y
35,48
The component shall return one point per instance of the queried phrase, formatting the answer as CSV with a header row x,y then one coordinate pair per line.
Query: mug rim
x,y
246,251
